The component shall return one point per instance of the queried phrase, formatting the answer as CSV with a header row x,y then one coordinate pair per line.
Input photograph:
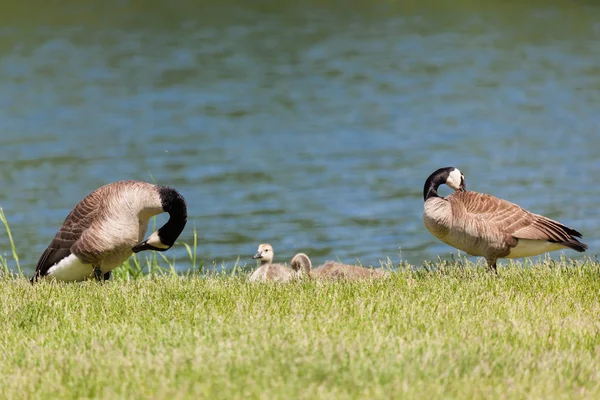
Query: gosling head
x,y
264,253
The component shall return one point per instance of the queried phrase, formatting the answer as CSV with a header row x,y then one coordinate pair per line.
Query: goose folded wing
x,y
489,214
516,221
543,228
78,220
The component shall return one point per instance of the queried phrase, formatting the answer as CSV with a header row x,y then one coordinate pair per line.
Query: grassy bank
x,y
455,333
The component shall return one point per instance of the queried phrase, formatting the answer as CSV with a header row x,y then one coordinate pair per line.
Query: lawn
x,y
448,332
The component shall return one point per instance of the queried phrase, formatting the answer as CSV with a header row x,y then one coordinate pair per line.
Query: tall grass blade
x,y
12,243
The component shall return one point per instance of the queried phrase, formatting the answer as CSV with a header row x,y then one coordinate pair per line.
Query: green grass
x,y
454,333
446,330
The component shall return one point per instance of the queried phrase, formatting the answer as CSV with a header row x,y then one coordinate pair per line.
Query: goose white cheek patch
x,y
154,240
454,179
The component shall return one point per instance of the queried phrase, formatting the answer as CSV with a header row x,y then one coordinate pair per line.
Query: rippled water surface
x,y
311,126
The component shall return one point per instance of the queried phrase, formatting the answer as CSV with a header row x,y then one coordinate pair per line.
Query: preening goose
x,y
267,270
484,225
107,226
333,270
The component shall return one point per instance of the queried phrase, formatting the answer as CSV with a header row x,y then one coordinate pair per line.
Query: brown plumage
x,y
107,226
267,270
484,225
333,270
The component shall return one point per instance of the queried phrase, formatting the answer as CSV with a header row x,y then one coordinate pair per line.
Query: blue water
x,y
312,127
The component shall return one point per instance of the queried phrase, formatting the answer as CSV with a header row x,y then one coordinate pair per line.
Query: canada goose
x,y
333,270
484,225
107,226
267,270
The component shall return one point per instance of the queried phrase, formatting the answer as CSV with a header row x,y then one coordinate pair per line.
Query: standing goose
x,y
107,226
333,270
483,225
267,270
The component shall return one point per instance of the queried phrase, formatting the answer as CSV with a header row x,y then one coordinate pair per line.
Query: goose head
x,y
155,242
456,180
164,238
450,176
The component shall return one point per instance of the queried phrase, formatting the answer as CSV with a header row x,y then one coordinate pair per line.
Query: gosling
x,y
332,270
267,270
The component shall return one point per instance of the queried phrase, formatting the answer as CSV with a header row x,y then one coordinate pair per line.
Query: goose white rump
x,y
70,269
530,248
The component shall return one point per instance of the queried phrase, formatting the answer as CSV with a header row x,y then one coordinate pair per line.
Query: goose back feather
x,y
483,225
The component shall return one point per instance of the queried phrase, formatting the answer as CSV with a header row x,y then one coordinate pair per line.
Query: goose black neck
x,y
174,204
434,181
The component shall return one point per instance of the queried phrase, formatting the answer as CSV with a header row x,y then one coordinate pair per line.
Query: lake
x,y
309,125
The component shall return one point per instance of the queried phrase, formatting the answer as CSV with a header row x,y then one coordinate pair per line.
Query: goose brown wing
x,y
502,214
78,220
511,219
488,219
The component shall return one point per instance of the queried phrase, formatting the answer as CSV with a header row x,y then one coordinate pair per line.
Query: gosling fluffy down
x,y
333,270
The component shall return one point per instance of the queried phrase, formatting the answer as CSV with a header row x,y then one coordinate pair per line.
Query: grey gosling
x,y
267,270
333,270
483,225
107,227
